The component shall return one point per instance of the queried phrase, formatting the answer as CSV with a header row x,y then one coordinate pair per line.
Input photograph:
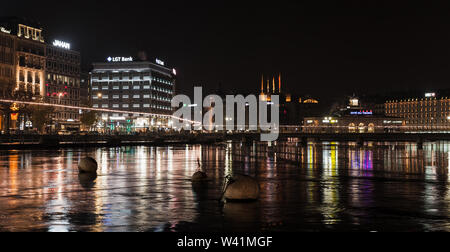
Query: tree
x,y
40,116
88,119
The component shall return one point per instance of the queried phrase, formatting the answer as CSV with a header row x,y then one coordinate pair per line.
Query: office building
x,y
62,85
132,88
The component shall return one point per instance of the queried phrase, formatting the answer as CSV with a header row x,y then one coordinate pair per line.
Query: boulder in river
x,y
88,165
241,188
199,176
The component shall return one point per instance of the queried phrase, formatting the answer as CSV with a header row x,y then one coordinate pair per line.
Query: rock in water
x,y
88,165
242,188
199,176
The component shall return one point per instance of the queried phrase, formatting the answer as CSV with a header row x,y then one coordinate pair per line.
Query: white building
x,y
128,90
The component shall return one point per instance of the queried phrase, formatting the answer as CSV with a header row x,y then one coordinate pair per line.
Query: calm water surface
x,y
333,187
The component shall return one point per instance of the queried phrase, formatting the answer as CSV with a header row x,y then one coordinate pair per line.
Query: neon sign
x,y
362,112
61,44
119,59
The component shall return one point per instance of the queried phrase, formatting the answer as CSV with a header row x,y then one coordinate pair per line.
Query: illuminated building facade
x,y
127,85
62,84
85,89
30,61
430,113
29,57
7,74
354,118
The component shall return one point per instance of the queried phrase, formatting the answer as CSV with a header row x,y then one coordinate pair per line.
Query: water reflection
x,y
327,186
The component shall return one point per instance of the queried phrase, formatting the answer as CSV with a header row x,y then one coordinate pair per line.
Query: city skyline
x,y
317,48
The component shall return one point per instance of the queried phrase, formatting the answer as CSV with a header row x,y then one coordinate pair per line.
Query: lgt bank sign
x,y
119,59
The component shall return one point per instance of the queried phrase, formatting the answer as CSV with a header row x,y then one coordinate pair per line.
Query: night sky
x,y
325,50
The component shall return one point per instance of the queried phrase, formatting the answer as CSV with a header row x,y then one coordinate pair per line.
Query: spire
x,y
279,83
273,84
262,84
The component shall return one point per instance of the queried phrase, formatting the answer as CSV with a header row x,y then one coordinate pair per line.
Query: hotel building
x,y
430,113
62,85
29,57
29,67
7,74
354,118
134,87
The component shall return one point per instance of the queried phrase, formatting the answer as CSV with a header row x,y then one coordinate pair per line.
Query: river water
x,y
333,187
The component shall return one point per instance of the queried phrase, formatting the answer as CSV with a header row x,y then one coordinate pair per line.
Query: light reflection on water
x,y
334,186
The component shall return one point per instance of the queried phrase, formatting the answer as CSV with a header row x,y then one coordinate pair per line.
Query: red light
x,y
65,87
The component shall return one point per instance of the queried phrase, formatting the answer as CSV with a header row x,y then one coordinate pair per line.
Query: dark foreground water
x,y
335,187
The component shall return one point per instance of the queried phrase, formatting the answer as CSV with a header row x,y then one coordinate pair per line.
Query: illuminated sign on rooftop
x,y
119,59
3,29
428,95
362,112
61,44
159,62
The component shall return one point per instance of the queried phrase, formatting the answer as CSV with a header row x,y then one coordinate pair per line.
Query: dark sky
x,y
325,49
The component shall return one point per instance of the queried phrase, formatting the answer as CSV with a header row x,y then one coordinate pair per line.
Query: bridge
x,y
39,141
